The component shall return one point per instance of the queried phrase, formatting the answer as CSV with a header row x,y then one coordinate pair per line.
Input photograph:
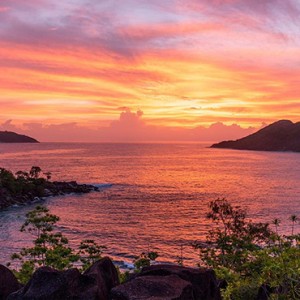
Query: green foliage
x,y
230,243
51,248
89,252
25,272
144,260
280,265
23,183
35,172
39,221
7,180
123,276
248,254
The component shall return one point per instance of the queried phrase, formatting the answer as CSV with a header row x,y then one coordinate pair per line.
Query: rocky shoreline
x,y
101,282
48,189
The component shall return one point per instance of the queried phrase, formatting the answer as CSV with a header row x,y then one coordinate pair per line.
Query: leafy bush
x,y
51,248
24,182
89,252
248,254
144,260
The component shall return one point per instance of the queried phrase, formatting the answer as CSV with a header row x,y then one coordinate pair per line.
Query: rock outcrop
x,y
190,283
8,282
47,283
12,137
105,276
264,292
47,189
169,287
283,135
101,282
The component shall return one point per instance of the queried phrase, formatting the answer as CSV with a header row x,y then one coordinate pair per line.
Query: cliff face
x,y
283,135
12,137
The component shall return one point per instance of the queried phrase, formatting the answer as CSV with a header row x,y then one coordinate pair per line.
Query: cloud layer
x,y
130,127
186,64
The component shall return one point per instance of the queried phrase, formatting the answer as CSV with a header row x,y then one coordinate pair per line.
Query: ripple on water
x,y
152,196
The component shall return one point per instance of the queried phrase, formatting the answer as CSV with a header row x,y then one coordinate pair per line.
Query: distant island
x,y
282,135
12,137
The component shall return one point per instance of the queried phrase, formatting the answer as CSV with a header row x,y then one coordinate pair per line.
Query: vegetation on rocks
x,y
250,255
50,247
144,260
23,187
22,182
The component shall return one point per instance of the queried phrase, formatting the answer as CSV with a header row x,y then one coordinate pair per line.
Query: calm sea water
x,y
153,196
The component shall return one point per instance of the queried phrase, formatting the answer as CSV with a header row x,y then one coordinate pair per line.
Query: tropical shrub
x,y
50,247
144,260
24,182
248,254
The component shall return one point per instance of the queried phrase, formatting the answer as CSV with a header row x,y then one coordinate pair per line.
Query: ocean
x,y
153,197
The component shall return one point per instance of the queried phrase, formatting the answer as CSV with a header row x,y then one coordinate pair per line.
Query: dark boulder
x,y
65,187
47,283
264,292
105,275
8,282
50,284
204,282
155,288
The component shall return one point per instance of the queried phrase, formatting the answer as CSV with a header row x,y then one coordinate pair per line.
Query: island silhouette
x,y
283,135
12,137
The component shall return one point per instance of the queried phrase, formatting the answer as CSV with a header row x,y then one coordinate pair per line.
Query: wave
x,y
102,185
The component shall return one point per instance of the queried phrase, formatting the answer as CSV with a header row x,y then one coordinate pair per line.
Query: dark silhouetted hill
x,y
12,137
282,135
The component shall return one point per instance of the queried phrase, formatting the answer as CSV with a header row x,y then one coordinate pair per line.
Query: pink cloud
x,y
103,27
130,127
4,9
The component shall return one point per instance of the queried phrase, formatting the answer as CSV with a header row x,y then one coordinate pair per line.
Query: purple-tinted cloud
x,y
113,25
130,127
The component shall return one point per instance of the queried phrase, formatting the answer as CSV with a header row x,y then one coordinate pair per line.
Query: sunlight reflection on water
x,y
154,196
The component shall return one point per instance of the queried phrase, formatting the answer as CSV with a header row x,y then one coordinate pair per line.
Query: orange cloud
x,y
187,65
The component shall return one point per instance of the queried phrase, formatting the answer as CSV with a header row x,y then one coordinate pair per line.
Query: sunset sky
x,y
137,70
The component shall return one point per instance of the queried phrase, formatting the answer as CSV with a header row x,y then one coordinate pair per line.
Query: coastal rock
x,y
47,283
101,282
62,187
8,282
204,282
264,292
105,276
12,137
155,288
44,189
283,135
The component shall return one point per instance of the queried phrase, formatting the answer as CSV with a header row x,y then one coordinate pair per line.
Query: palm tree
x,y
276,222
294,219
